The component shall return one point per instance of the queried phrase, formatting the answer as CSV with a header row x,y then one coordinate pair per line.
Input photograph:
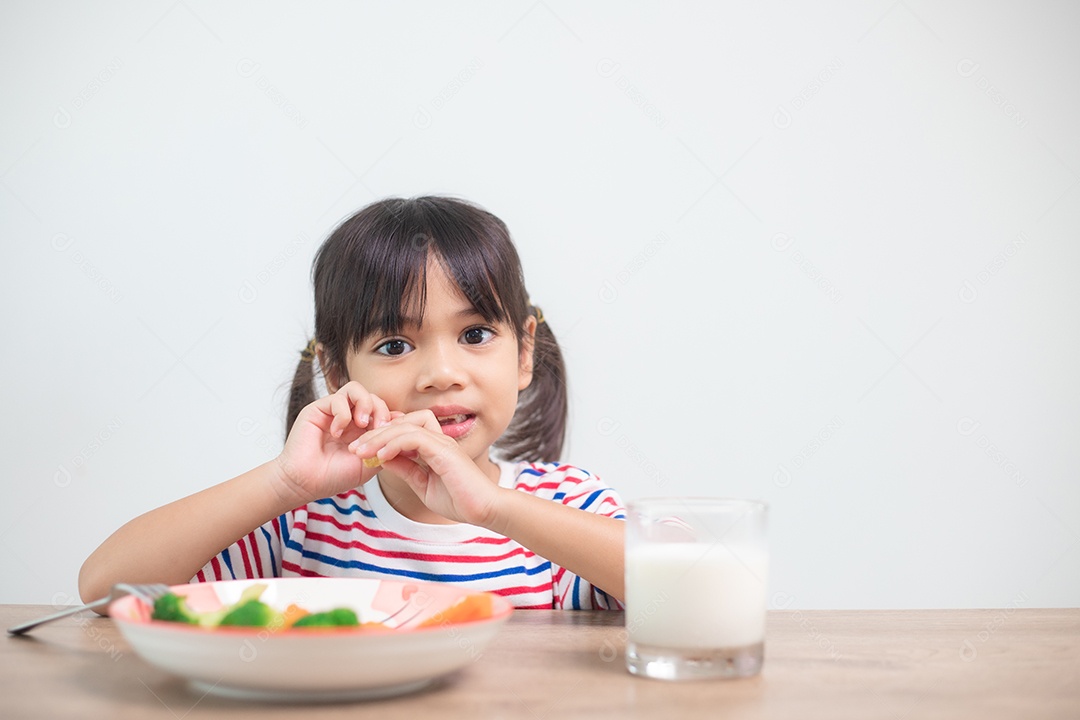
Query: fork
x,y
146,593
402,623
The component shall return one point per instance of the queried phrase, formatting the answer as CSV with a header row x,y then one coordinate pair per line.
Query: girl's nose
x,y
440,368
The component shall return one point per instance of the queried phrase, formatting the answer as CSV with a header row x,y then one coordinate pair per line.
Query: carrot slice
x,y
471,607
292,614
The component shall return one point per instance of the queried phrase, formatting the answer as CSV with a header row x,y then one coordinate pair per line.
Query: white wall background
x,y
825,256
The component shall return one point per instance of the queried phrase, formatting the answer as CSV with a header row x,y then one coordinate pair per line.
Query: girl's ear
x,y
528,354
330,374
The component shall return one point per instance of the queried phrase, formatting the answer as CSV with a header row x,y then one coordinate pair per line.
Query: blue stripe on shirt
x,y
345,511
417,574
275,571
283,528
589,500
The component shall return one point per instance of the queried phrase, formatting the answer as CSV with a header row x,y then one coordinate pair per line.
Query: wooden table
x,y
984,664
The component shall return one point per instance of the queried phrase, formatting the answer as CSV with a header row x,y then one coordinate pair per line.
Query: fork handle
x,y
20,629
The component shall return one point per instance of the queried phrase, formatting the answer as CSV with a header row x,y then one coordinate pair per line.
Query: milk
x,y
695,595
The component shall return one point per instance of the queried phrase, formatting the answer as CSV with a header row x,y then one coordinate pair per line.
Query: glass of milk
x,y
696,571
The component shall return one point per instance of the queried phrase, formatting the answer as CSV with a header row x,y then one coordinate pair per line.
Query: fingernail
x,y
365,419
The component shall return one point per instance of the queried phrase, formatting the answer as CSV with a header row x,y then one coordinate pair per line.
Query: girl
x,y
432,455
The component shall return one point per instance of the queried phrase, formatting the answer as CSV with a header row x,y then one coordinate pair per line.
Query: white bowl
x,y
306,665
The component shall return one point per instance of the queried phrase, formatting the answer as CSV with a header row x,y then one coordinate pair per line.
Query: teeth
x,y
451,419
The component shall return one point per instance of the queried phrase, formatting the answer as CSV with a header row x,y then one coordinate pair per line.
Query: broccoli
x,y
338,617
173,607
252,613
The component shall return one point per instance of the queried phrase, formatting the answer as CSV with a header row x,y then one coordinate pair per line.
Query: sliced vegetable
x,y
293,613
252,613
468,608
338,617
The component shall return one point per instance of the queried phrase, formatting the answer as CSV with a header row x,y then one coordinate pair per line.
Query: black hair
x,y
374,264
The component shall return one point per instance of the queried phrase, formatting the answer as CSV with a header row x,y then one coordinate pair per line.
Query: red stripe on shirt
x,y
418,556
254,540
357,525
243,545
301,571
523,589
549,485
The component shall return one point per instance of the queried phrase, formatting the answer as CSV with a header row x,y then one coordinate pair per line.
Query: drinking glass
x,y
696,571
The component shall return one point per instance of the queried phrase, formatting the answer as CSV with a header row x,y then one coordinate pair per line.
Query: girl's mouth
x,y
456,425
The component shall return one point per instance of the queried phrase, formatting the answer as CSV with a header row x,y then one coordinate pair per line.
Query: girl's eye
x,y
477,335
394,347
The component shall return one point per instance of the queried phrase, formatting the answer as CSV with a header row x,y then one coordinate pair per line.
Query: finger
x,y
366,445
431,448
318,413
380,414
413,473
341,412
380,435
361,401
370,444
422,418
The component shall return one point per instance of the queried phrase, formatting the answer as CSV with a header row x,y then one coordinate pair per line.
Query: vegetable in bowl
x,y
250,611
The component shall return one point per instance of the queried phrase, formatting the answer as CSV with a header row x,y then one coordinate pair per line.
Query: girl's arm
x,y
586,544
172,543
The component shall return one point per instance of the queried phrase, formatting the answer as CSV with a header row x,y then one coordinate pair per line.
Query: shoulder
x,y
569,485
552,474
353,504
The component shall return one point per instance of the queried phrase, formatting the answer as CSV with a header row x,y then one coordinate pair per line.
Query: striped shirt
x,y
358,534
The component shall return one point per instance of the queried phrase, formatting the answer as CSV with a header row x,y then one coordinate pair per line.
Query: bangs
x,y
373,270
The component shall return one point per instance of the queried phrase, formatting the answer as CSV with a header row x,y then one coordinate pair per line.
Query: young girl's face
x,y
467,371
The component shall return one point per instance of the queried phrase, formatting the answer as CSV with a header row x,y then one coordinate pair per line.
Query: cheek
x,y
393,384
360,372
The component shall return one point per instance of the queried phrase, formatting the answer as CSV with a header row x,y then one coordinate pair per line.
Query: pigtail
x,y
538,430
302,392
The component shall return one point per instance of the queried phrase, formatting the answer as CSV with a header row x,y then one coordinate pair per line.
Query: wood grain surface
x,y
984,664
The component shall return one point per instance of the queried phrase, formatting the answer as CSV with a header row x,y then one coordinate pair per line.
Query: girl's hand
x,y
445,479
315,462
